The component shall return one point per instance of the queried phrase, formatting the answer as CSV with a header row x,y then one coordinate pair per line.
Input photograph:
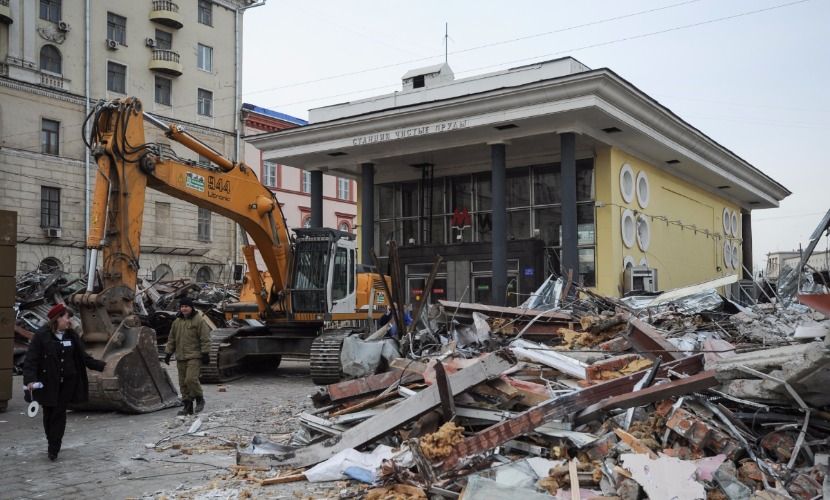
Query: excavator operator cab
x,y
323,274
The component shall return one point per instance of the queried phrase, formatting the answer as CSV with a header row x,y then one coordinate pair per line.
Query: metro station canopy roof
x,y
448,123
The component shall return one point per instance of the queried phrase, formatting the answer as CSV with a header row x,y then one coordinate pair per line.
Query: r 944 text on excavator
x,y
310,280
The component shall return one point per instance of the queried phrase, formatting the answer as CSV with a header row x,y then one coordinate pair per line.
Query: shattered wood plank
x,y
693,383
409,366
369,385
649,341
574,476
526,397
488,367
293,478
365,404
557,409
634,443
444,391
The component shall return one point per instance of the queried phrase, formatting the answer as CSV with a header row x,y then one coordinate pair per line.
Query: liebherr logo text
x,y
218,188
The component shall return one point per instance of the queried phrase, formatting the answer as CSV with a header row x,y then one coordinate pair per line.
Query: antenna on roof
x,y
446,41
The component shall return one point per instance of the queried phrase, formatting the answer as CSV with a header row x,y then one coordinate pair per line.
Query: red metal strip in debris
x,y
557,409
648,340
370,384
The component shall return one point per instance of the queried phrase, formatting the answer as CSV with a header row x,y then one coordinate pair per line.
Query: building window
x,y
306,187
343,189
50,265
116,77
344,226
50,10
162,219
50,207
205,103
164,87
206,12
164,40
50,59
204,225
204,274
49,137
307,221
205,54
117,28
269,174
162,272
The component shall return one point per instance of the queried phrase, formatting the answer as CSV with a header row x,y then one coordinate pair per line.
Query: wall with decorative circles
x,y
653,217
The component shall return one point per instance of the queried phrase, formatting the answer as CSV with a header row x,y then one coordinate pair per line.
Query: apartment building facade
x,y
182,60
292,186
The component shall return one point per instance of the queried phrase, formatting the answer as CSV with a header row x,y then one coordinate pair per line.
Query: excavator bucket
x,y
133,380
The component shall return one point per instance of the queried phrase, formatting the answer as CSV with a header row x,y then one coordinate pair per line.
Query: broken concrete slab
x,y
664,477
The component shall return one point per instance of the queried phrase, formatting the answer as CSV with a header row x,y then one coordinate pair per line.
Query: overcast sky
x,y
750,74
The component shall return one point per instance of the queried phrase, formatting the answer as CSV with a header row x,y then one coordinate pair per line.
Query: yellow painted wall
x,y
683,255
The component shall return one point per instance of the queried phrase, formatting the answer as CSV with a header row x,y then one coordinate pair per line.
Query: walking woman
x,y
57,359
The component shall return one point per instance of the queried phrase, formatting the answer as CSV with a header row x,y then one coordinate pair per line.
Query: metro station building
x,y
549,169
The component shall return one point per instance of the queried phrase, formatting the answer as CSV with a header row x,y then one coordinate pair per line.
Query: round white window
x,y
629,228
736,257
727,254
643,232
727,222
627,183
628,261
735,224
643,190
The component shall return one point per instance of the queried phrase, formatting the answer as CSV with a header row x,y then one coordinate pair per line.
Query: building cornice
x,y
41,91
599,89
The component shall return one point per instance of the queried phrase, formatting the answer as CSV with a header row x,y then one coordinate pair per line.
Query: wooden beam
x,y
370,384
693,383
487,368
650,342
557,409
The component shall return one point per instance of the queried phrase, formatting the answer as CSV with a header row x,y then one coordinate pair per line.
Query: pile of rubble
x,y
681,395
156,304
684,397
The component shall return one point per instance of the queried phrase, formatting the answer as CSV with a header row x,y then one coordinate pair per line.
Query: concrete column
x,y
30,17
498,165
15,47
746,245
570,235
367,212
316,198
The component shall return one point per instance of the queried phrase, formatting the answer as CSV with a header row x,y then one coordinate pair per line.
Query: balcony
x,y
166,13
5,12
53,81
166,62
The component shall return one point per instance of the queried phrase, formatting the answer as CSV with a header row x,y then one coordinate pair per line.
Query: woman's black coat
x,y
42,364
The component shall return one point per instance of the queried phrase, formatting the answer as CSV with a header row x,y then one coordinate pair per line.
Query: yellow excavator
x,y
310,281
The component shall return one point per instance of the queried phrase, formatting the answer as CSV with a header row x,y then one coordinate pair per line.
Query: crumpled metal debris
x,y
583,372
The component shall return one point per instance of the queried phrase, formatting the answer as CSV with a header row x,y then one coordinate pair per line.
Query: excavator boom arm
x,y
127,165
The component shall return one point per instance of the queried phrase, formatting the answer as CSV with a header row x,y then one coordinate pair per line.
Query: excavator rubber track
x,y
325,357
223,367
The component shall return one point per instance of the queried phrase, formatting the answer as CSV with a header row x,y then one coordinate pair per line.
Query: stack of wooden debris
x,y
595,402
